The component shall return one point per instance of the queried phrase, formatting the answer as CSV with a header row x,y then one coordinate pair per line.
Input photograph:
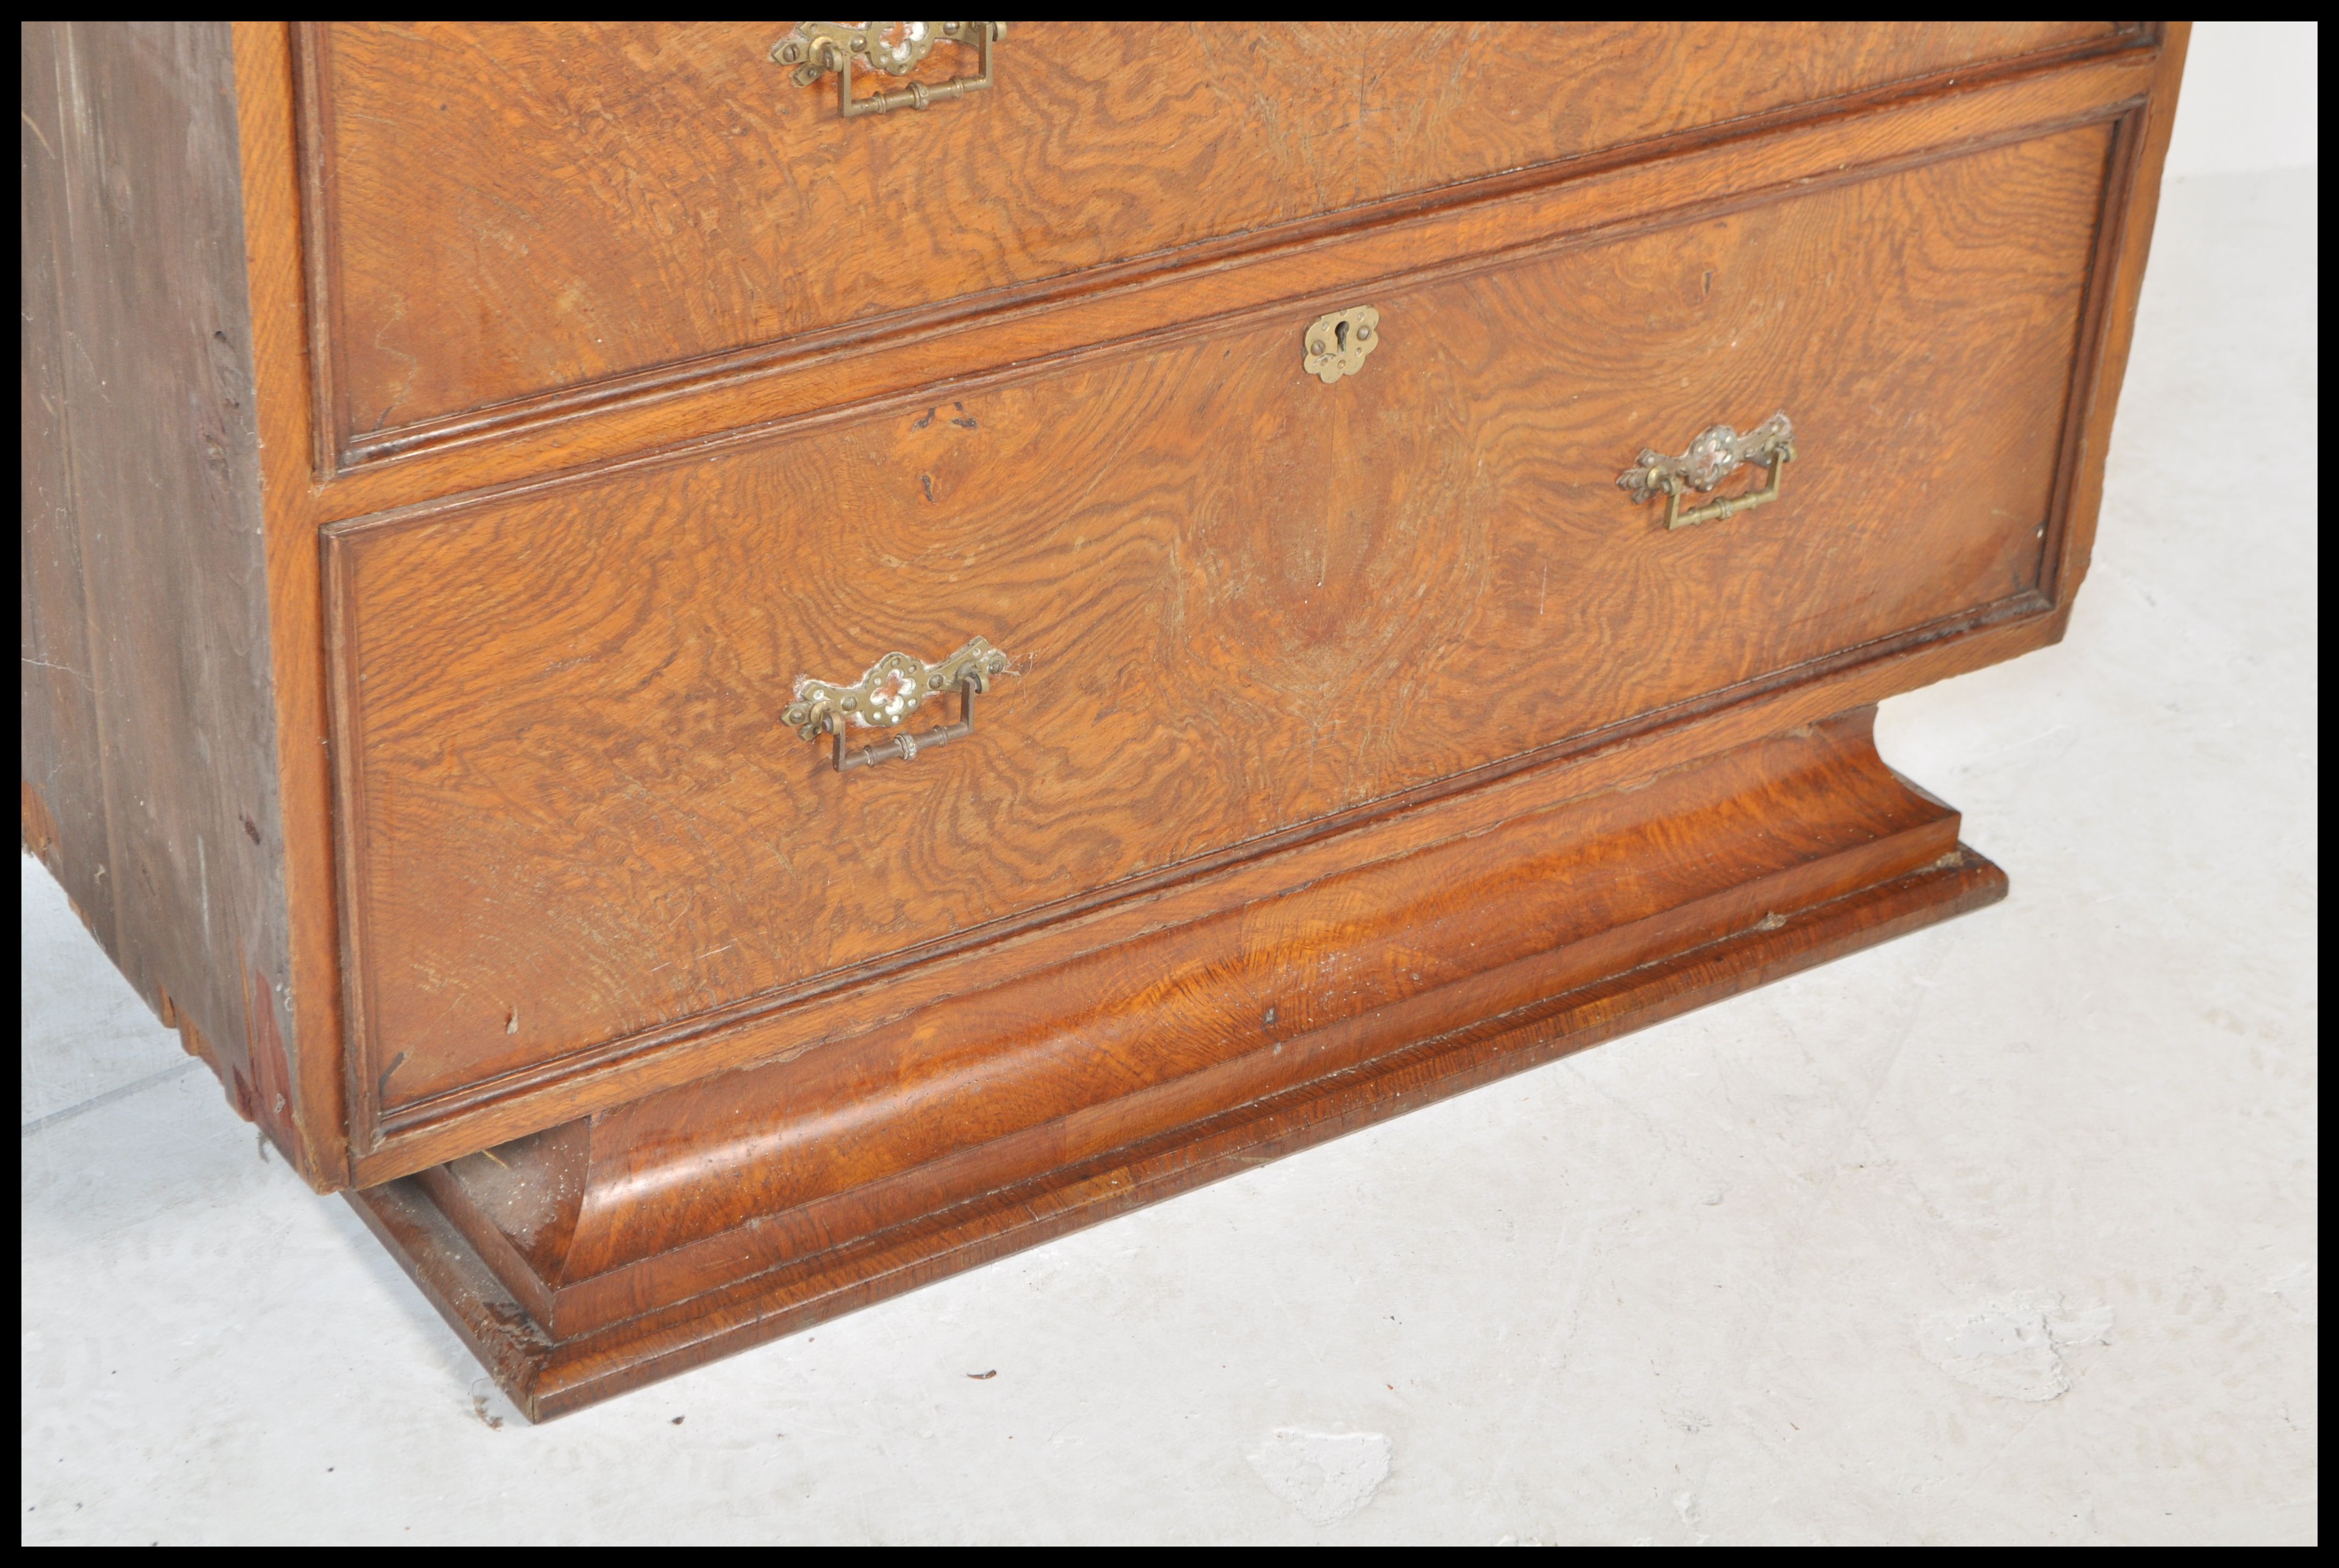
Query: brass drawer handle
x,y
890,692
889,49
1713,456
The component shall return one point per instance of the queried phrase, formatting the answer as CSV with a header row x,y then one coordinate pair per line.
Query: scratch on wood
x,y
46,664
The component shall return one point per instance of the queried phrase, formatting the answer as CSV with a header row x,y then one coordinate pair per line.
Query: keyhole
x,y
1340,337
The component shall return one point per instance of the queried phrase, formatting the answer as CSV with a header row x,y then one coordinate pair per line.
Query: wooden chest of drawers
x,y
719,705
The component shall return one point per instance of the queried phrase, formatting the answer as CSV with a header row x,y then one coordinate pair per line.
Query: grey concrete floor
x,y
2005,1231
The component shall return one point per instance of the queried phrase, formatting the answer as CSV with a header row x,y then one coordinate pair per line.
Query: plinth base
x,y
592,1258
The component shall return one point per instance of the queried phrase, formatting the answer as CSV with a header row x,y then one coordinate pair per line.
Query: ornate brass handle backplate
x,y
816,49
1713,456
889,692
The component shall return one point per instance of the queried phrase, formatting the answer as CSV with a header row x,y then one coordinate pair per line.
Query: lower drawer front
x,y
1238,600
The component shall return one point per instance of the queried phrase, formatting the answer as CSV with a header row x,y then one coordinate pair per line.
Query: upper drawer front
x,y
1238,599
512,212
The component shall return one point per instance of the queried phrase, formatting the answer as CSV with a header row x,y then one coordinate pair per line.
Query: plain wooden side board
x,y
148,720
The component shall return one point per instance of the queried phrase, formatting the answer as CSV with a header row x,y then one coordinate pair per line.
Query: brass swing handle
x,y
891,689
891,49
1713,456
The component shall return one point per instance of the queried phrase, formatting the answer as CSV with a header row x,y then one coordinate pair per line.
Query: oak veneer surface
x,y
444,447
1238,599
597,1257
1069,1063
514,209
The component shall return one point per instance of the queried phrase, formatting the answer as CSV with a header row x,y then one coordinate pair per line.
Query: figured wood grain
x,y
1030,331
787,1022
572,816
502,1245
506,211
983,1090
1584,201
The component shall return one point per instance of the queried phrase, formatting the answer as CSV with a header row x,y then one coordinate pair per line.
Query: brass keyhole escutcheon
x,y
1336,344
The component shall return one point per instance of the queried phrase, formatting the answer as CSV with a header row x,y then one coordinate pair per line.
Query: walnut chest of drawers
x,y
722,667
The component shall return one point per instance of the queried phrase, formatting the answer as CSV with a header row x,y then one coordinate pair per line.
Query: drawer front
x,y
512,212
1239,600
